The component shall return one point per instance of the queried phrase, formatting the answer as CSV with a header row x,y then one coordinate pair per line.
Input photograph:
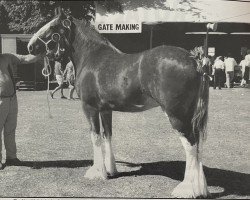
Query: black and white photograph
x,y
125,99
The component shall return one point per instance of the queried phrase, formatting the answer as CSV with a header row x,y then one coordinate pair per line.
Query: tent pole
x,y
151,37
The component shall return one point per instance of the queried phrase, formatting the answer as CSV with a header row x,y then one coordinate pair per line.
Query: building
x,y
229,37
27,76
161,22
183,24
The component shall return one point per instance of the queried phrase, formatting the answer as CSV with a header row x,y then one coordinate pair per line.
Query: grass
x,y
58,151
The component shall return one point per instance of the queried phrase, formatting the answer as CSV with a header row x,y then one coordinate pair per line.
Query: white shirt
x,y
247,58
230,63
206,61
219,64
243,65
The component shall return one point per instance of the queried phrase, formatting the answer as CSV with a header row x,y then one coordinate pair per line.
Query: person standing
x,y
70,77
8,104
218,71
247,71
230,63
247,58
59,78
243,65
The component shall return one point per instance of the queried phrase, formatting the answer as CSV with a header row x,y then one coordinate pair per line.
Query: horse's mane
x,y
198,54
89,33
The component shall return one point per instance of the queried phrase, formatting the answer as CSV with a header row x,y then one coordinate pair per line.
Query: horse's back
x,y
168,68
170,56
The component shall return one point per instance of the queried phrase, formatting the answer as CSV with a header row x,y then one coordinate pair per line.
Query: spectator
x,y
59,78
243,65
218,71
8,104
230,63
247,58
70,77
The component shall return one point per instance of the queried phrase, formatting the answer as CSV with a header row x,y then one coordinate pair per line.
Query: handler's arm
x,y
26,59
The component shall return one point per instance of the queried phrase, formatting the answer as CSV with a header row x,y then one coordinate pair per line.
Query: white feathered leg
x,y
109,158
98,170
109,155
194,183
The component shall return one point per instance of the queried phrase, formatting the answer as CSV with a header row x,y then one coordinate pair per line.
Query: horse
x,y
109,80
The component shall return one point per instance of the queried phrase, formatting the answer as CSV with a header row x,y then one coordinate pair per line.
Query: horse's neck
x,y
87,42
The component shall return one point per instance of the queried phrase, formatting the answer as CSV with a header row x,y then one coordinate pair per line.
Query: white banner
x,y
119,27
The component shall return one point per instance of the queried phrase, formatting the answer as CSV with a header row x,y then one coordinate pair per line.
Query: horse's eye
x,y
53,28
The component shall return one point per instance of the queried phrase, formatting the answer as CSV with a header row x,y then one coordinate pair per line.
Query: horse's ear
x,y
58,11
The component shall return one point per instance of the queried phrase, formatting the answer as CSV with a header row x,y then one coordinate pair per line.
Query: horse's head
x,y
53,39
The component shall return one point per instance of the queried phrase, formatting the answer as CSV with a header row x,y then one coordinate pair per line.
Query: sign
x,y
119,27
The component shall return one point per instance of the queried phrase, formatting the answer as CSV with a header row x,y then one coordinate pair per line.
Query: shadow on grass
x,y
233,183
56,163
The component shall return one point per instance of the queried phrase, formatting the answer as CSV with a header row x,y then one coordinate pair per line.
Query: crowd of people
x,y
223,71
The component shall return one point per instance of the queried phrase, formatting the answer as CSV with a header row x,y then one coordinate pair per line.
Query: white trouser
x,y
229,78
8,123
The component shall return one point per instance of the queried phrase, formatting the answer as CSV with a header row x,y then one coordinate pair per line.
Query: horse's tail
x,y
200,116
199,120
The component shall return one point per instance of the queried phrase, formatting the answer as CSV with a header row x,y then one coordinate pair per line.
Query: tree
x,y
4,19
27,16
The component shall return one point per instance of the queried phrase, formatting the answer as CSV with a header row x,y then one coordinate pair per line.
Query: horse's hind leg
x,y
194,183
106,117
98,169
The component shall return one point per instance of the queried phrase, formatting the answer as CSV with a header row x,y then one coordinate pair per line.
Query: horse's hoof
x,y
111,170
185,190
96,173
114,173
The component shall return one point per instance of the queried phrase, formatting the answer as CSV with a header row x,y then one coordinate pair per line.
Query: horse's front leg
x,y
194,184
98,170
106,117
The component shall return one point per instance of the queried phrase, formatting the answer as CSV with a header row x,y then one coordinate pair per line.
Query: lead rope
x,y
46,72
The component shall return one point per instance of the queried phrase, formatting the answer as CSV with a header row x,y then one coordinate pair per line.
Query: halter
x,y
56,38
50,45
